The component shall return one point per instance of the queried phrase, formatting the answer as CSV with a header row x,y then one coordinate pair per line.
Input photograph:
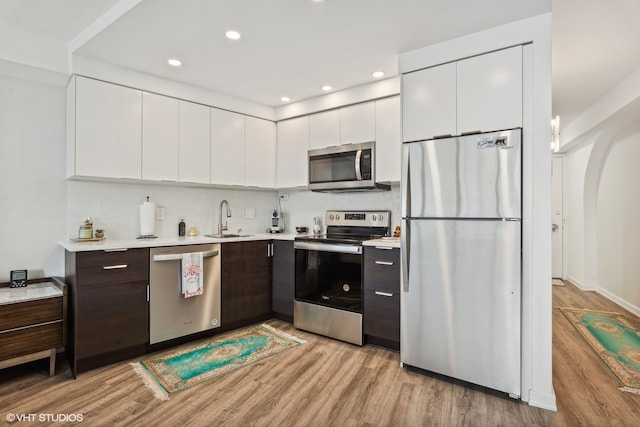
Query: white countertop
x,y
32,291
75,246
385,242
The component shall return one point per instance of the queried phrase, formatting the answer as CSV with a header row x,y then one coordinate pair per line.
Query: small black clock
x,y
18,279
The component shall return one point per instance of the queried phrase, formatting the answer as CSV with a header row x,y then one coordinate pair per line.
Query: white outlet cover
x,y
160,214
249,213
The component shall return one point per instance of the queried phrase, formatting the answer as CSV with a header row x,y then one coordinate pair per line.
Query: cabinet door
x,y
358,123
293,144
245,281
108,137
194,157
490,91
324,129
160,116
260,153
111,317
227,147
283,278
388,139
382,294
429,103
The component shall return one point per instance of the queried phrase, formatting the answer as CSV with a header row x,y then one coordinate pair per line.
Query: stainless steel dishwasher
x,y
171,315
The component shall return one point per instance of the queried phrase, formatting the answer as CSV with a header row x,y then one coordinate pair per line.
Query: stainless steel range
x,y
328,270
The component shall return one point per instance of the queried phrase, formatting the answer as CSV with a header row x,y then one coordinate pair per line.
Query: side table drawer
x,y
30,312
29,340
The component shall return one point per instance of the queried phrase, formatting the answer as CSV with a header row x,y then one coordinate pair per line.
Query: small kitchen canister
x,y
86,229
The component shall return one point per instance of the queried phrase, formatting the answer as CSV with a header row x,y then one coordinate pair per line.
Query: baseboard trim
x,y
578,284
543,400
622,303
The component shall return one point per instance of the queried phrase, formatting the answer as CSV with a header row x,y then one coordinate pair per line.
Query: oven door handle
x,y
328,247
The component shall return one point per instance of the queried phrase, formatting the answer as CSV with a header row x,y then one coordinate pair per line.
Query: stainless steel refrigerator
x,y
461,258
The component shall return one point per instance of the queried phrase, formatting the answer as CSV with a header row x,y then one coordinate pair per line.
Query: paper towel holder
x,y
147,217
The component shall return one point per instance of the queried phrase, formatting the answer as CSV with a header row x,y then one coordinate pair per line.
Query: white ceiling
x,y
293,47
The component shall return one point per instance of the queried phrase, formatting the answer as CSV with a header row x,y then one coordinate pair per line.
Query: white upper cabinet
x,y
358,123
194,158
490,91
108,130
293,144
324,129
159,137
482,93
260,153
227,147
388,139
429,103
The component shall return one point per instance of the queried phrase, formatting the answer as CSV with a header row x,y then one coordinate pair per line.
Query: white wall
x,y
618,222
32,176
574,175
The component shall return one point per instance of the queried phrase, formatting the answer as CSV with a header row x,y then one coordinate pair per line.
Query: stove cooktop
x,y
352,227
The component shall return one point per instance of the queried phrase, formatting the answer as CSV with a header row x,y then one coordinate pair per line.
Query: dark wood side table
x,y
32,322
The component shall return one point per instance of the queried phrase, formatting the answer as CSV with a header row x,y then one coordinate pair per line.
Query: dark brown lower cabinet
x,y
382,296
283,279
109,313
245,283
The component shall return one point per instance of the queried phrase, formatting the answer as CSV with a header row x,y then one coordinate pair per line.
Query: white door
x,y
556,218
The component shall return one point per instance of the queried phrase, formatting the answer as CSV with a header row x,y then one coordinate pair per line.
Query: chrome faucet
x,y
224,227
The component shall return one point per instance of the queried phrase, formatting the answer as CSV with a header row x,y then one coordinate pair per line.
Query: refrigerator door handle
x,y
405,245
405,182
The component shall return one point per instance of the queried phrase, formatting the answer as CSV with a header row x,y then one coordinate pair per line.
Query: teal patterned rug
x,y
176,370
614,339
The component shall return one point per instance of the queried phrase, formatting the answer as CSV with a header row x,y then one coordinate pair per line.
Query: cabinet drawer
x,y
382,315
382,270
30,340
101,267
30,313
112,257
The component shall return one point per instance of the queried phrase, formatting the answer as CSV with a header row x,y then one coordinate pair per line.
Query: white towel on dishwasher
x,y
191,274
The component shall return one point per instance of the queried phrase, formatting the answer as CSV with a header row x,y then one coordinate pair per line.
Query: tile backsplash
x,y
303,205
114,207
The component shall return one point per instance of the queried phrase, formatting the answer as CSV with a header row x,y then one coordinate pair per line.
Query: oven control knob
x,y
337,216
331,217
374,217
380,218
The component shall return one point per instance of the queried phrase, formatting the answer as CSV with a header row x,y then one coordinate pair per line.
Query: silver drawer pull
x,y
383,294
116,250
384,262
384,248
114,267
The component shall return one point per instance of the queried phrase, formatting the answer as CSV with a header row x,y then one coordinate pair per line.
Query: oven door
x,y
329,275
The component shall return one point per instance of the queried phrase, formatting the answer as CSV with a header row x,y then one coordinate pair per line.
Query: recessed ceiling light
x,y
326,88
174,62
377,74
285,99
232,35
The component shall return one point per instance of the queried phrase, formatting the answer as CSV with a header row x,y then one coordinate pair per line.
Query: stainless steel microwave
x,y
349,167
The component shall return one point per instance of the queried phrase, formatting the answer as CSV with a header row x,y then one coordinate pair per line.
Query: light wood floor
x,y
326,382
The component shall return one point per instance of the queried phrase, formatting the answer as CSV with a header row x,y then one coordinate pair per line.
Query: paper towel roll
x,y
147,218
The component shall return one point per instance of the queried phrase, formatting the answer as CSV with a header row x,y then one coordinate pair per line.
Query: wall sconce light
x,y
555,134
